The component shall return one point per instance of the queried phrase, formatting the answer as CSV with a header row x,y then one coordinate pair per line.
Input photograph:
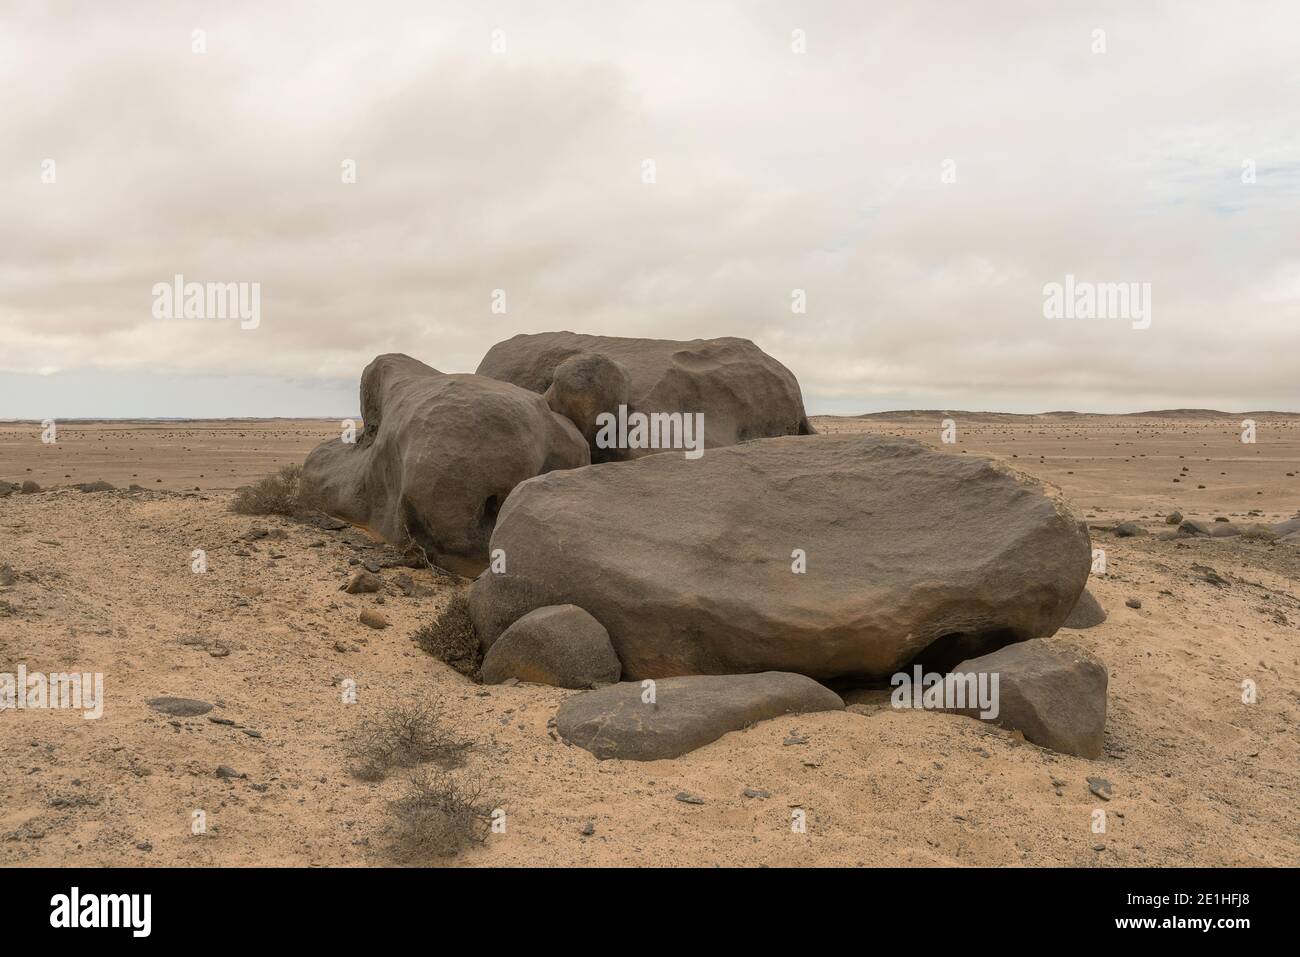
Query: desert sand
x,y
104,583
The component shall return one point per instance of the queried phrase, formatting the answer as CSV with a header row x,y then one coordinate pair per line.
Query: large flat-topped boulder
x,y
678,715
742,392
438,455
830,555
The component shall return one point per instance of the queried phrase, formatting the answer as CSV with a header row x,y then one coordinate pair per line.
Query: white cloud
x,y
775,171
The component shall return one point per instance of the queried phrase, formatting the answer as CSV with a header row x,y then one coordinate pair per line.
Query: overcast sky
x,y
775,170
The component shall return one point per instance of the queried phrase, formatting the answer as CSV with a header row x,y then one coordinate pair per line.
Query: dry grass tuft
x,y
280,493
451,637
439,817
403,737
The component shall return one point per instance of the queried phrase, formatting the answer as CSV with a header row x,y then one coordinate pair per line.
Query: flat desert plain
x,y
103,582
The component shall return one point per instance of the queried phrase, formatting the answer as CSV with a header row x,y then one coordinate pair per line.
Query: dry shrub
x,y
280,493
439,816
451,637
403,737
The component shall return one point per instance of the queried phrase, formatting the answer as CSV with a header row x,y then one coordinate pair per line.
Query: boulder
x,y
30,487
1051,692
1087,613
1174,518
742,392
686,713
583,386
1284,529
558,645
438,456
832,555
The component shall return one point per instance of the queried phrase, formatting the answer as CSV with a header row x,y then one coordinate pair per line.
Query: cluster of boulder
x,y
697,596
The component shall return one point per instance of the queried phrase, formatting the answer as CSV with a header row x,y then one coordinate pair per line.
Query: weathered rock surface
x,y
1087,613
743,392
438,456
1051,692
558,645
180,707
687,713
688,564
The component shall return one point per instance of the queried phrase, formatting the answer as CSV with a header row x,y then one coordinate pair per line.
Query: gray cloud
x,y
775,171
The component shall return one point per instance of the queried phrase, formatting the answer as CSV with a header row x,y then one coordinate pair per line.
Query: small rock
x,y
364,582
227,773
180,707
1133,602
687,798
1100,787
373,619
755,793
588,829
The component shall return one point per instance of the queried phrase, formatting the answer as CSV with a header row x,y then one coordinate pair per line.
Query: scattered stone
x,y
1190,526
756,793
1087,613
687,798
364,582
99,486
227,773
687,713
1051,692
30,487
1133,602
883,520
326,523
558,645
1208,574
180,707
1174,518
1128,530
588,829
1100,787
373,619
225,721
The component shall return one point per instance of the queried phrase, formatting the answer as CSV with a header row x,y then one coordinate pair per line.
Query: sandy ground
x,y
104,583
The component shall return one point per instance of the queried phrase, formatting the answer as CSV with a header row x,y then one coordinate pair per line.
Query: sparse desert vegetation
x,y
404,736
451,637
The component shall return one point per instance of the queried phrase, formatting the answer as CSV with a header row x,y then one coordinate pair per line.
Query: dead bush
x,y
280,493
451,637
403,737
439,817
